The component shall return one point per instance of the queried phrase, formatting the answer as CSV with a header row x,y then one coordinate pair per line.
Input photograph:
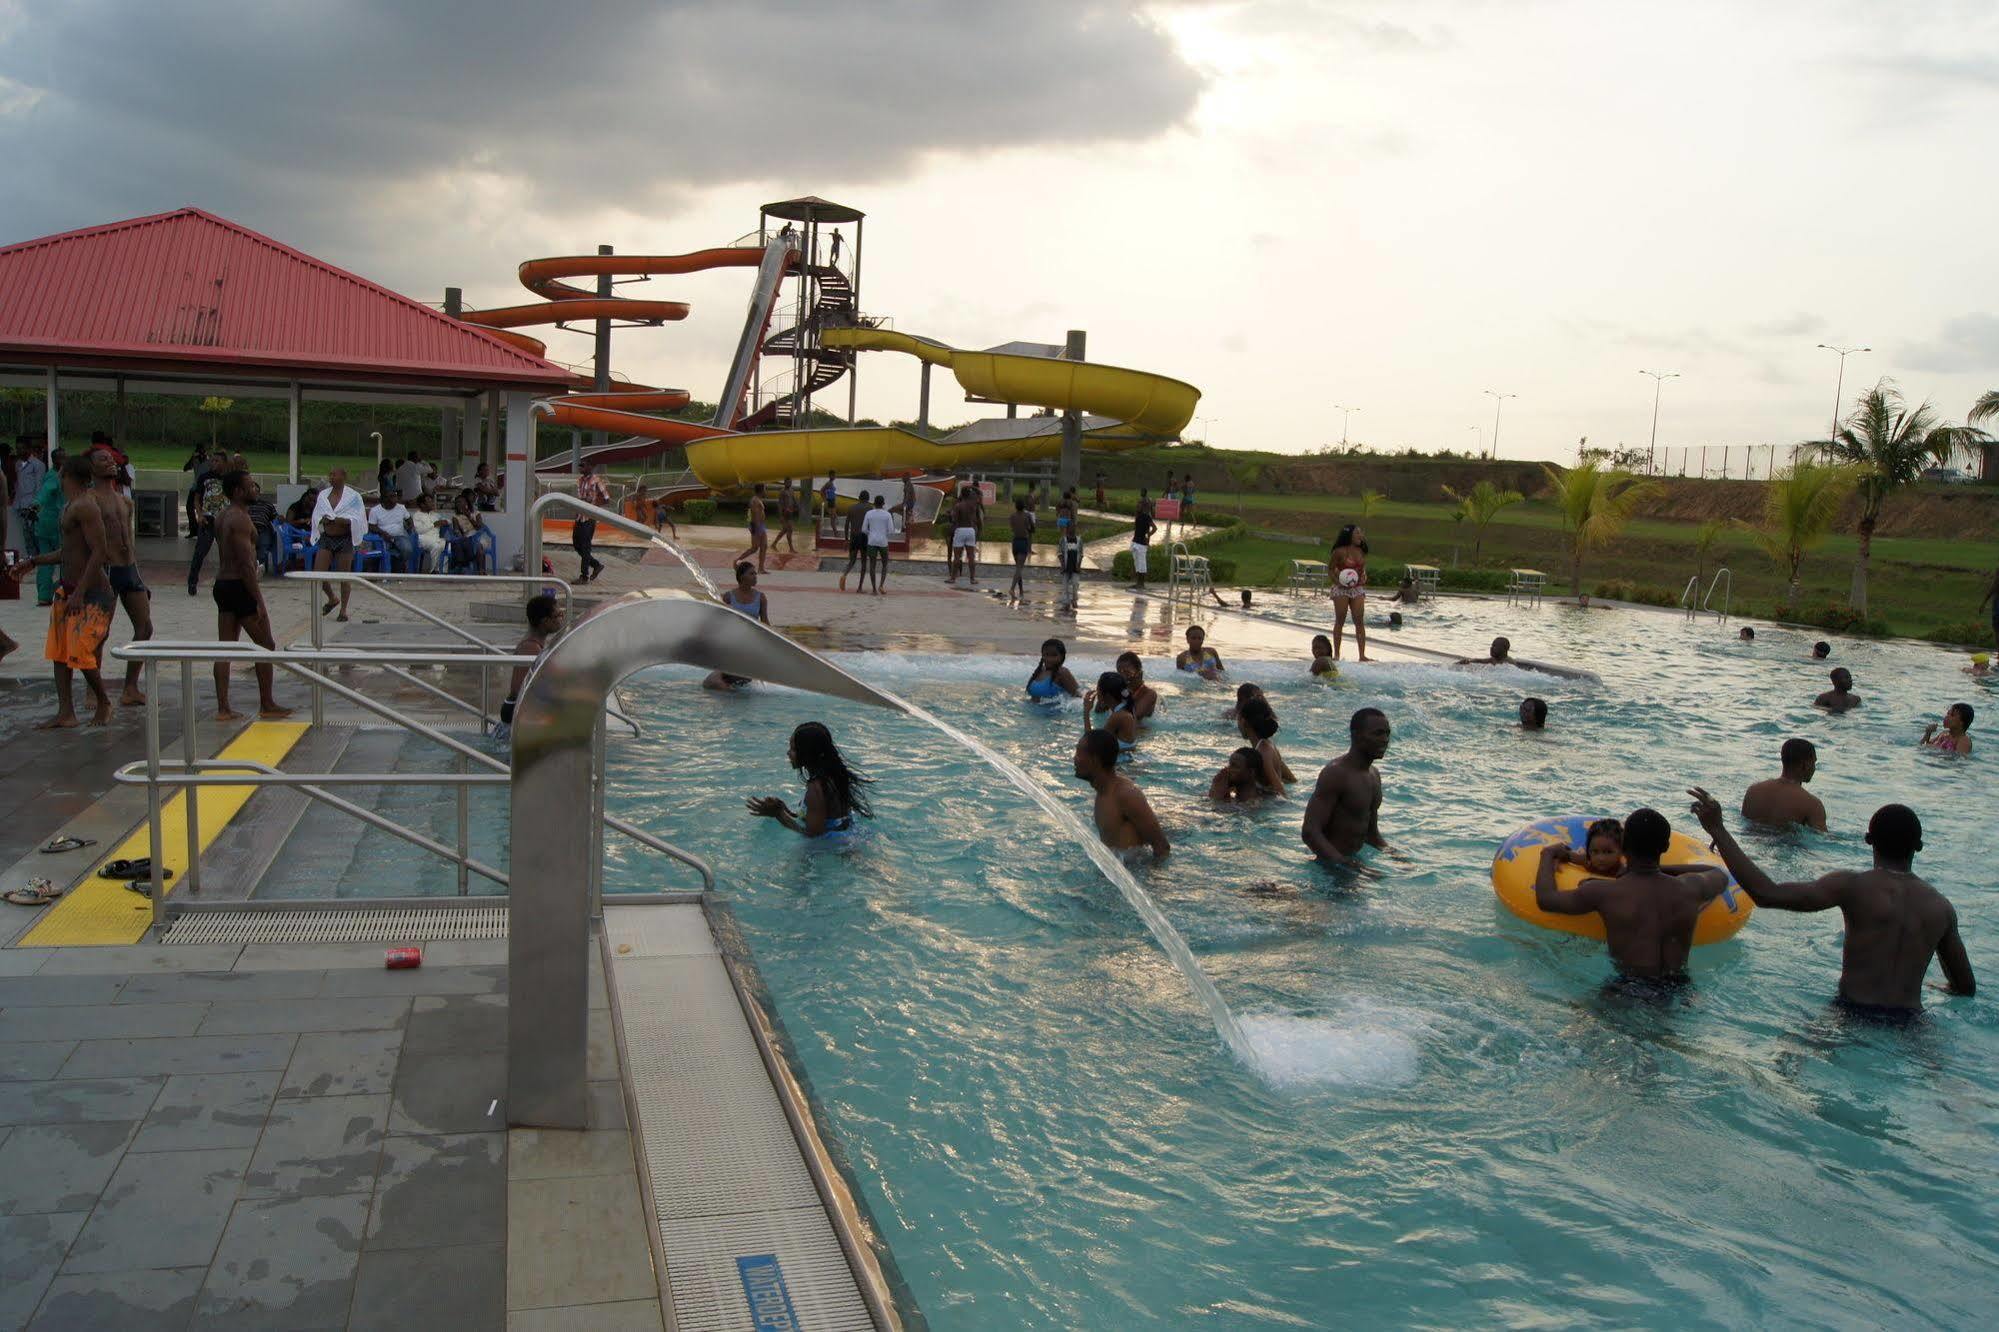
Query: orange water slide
x,y
621,409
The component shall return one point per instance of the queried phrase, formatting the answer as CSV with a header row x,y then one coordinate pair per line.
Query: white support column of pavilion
x,y
493,452
293,398
52,423
520,460
470,454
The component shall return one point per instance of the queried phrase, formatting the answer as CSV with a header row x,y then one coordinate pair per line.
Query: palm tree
x,y
1888,444
1481,506
1986,409
1595,503
1799,507
1370,500
1706,537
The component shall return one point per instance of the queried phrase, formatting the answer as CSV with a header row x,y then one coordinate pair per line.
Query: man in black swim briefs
x,y
239,602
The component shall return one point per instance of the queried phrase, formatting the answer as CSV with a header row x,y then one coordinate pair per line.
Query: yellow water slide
x,y
1131,407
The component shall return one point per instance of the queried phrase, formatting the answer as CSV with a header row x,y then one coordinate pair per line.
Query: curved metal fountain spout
x,y
557,837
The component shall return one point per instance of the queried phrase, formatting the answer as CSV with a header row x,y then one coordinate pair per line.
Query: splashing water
x,y
1169,938
700,574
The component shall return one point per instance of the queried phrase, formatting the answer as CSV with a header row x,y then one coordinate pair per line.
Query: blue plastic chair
x,y
294,548
373,552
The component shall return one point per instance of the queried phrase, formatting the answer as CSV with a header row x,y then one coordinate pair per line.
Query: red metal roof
x,y
188,289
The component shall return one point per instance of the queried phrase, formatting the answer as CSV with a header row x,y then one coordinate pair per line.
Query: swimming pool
x,y
1450,1122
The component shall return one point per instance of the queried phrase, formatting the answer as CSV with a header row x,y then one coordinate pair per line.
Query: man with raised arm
x,y
1895,922
1648,911
239,600
1344,813
1783,799
1124,818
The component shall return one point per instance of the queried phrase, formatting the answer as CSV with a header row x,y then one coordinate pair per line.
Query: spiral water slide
x,y
1121,409
622,410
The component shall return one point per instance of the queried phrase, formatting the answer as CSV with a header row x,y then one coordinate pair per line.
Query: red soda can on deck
x,y
402,959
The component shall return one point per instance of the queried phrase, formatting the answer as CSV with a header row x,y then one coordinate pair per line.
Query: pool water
x,y
1447,1121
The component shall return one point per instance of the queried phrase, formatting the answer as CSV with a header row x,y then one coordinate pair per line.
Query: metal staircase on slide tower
x,y
833,307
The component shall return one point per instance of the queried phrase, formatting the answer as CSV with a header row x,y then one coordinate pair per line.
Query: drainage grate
x,y
359,925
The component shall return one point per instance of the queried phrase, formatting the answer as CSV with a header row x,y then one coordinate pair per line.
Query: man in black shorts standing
x,y
121,565
239,602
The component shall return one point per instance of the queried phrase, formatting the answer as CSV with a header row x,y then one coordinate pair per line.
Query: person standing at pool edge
x,y
81,603
965,519
590,488
1649,911
239,600
1141,540
1347,568
1123,817
121,564
1895,922
1021,522
1344,813
1783,799
876,525
759,543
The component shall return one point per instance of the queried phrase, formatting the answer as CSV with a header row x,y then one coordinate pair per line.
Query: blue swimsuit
x,y
1044,687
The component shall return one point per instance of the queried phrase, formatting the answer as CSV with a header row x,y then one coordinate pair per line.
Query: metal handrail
x,y
228,772
299,662
1727,595
1689,596
532,537
373,582
1189,570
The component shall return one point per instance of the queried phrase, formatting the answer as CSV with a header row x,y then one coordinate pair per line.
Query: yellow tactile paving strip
x,y
103,911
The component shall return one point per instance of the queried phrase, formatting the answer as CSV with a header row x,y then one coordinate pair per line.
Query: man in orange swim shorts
x,y
80,619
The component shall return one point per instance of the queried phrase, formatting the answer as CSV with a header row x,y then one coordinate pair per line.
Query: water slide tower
x,y
825,293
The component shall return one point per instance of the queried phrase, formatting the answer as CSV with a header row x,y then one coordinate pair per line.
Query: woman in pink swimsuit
x,y
1347,569
1951,739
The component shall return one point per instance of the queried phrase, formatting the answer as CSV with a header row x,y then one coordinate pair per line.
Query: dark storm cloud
x,y
283,113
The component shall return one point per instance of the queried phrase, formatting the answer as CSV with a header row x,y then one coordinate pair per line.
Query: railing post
x,y
156,847
190,805
464,826
597,749
318,641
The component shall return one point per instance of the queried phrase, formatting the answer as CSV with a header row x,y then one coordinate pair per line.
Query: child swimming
x,y
1256,722
1323,664
1603,849
1200,659
1111,698
1051,678
833,793
1241,778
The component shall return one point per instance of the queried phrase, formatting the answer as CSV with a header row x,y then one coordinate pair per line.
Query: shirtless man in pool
x,y
121,566
1124,819
1649,911
1783,799
1344,813
1895,922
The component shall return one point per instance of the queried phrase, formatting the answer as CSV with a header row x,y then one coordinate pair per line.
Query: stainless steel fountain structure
x,y
557,800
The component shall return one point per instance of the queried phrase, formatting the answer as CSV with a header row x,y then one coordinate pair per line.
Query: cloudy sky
x,y
1291,203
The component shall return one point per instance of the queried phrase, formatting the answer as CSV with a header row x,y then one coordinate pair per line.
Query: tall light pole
x,y
1498,401
1344,412
1659,378
1839,384
1204,422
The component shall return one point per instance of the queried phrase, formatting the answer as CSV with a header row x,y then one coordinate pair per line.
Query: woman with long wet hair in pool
x,y
833,794
1051,678
1347,570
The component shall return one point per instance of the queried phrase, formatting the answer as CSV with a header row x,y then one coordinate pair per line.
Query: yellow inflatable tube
x,y
1519,860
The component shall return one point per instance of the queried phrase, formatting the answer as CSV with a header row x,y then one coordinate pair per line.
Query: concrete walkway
x,y
290,1136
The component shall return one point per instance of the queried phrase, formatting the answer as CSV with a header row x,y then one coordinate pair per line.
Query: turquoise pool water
x,y
1448,1123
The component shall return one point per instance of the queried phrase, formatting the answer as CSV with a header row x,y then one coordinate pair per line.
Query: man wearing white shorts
x,y
1141,539
965,535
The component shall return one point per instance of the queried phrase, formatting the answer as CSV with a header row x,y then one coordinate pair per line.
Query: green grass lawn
x,y
1922,587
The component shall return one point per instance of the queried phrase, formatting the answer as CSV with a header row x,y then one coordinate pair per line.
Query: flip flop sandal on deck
x,y
68,844
39,892
127,869
144,887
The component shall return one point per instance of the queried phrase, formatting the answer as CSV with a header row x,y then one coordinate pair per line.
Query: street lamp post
x,y
1839,384
1659,378
1344,412
1204,422
1498,401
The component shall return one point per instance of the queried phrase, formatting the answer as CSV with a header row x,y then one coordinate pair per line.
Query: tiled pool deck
x,y
293,1137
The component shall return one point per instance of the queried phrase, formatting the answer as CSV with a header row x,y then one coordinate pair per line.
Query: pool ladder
x,y
1723,580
